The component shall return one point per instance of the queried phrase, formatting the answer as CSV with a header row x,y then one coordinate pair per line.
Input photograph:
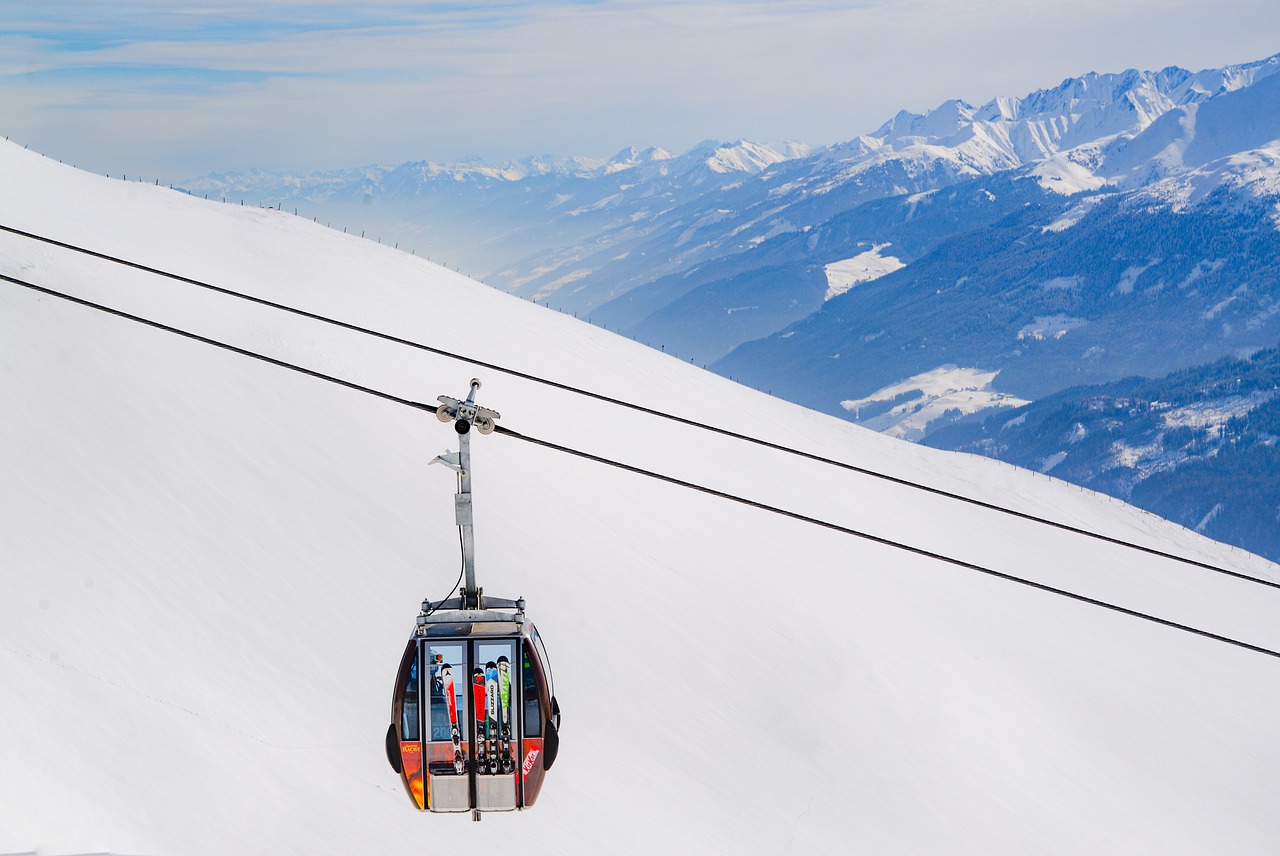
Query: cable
x,y
217,344
226,347
989,506
461,570
897,545
507,432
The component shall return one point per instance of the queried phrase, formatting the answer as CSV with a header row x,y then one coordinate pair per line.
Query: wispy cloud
x,y
155,79
79,25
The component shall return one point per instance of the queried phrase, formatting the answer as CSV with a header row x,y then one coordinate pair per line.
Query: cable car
x,y
474,718
475,724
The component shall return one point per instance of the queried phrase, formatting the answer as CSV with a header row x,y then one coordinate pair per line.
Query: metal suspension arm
x,y
463,415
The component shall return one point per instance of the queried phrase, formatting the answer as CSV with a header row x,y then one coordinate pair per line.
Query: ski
x,y
455,732
492,726
479,704
504,713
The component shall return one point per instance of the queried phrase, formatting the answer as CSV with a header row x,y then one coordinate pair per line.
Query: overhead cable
x,y
504,431
865,471
217,344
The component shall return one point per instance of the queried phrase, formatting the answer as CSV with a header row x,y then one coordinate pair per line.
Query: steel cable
x,y
865,471
507,432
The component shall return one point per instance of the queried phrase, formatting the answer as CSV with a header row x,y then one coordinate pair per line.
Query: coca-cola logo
x,y
528,761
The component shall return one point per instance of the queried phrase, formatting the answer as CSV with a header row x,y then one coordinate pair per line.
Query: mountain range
x,y
947,263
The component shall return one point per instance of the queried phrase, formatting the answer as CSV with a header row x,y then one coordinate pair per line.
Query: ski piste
x,y
504,713
478,703
451,702
492,722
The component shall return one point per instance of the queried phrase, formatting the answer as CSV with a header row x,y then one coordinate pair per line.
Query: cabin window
x,y
545,661
409,707
532,711
440,655
496,699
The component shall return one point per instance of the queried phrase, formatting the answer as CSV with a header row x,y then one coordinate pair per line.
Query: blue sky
x,y
173,90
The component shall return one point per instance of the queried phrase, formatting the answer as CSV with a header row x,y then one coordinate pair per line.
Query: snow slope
x,y
211,565
864,267
905,410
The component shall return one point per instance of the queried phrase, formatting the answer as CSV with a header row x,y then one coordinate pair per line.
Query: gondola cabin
x,y
474,720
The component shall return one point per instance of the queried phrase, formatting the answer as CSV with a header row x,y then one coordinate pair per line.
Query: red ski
x,y
455,732
479,702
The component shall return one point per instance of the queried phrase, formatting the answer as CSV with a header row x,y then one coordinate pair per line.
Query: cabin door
x,y
471,731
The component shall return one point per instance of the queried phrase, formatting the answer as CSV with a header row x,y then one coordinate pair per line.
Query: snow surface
x,y
1074,215
1051,327
923,398
864,267
1062,175
211,566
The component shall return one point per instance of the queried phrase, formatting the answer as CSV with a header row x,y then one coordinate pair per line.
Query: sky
x,y
172,91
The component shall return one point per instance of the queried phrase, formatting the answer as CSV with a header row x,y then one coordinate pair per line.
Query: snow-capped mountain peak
x,y
941,123
743,156
632,156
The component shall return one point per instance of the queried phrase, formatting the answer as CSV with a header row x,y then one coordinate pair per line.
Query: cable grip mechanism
x,y
464,414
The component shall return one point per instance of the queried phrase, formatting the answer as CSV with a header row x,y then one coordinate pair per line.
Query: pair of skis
x,y
491,695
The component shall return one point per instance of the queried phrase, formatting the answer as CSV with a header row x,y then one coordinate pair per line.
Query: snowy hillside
x,y
211,565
